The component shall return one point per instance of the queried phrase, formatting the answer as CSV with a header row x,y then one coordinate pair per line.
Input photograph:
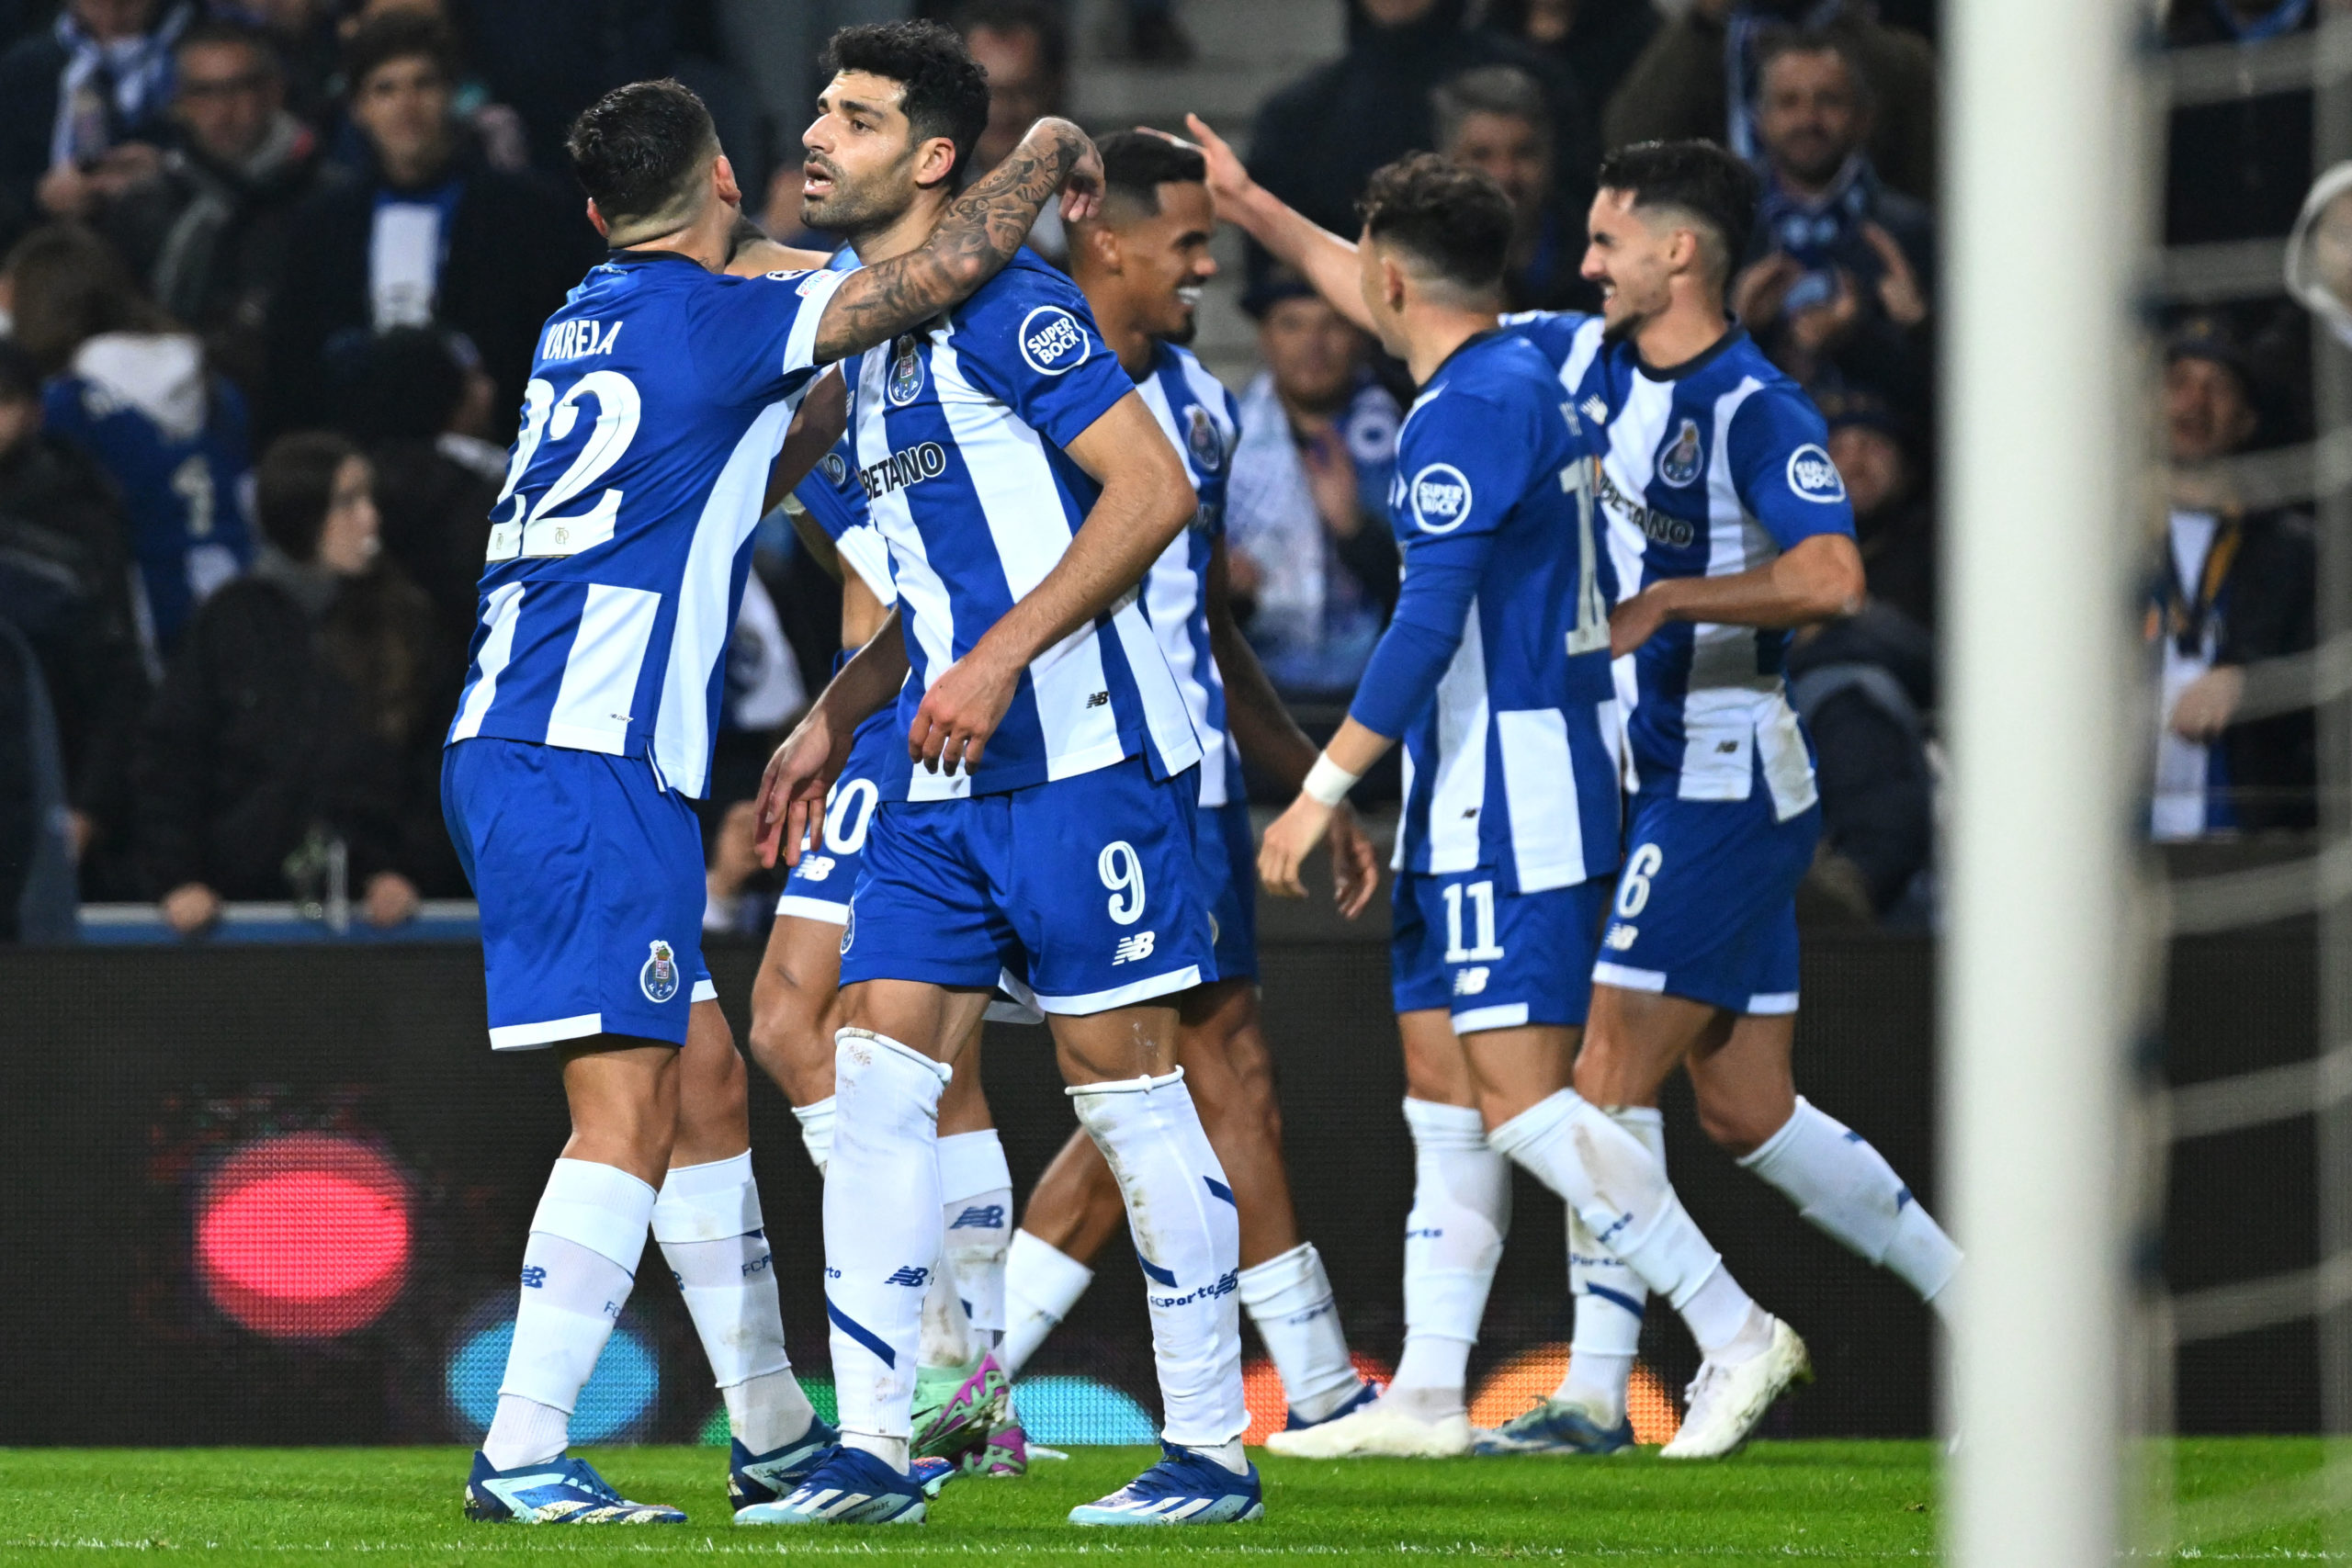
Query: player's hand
x,y
791,802
961,711
1634,622
1229,181
2205,704
1082,185
1355,869
1289,839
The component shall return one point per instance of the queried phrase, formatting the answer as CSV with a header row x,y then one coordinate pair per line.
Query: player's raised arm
x,y
982,230
1326,260
1146,498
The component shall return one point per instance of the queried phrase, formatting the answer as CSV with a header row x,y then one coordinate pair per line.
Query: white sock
x,y
975,1213
1289,1298
708,1221
947,1337
1621,1189
578,1267
1453,1240
1041,1283
1609,1297
817,1130
881,1233
1847,1190
1187,1236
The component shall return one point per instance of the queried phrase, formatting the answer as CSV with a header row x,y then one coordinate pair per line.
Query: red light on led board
x,y
304,1237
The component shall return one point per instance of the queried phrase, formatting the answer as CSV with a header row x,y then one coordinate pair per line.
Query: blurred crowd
x,y
273,271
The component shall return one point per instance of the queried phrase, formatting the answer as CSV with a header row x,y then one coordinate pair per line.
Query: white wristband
x,y
1328,783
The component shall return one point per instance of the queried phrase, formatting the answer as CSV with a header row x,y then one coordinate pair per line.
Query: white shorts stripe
x,y
1175,980
531,1036
1772,1003
800,905
1624,977
1510,1015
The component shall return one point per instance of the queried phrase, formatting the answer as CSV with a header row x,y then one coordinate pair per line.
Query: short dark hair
x,y
1136,164
1488,89
1697,178
1456,221
294,485
946,92
1039,20
223,33
1778,41
400,35
640,150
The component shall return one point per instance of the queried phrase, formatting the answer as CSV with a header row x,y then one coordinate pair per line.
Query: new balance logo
x,y
1470,982
1098,699
980,1216
1595,411
1622,937
535,1278
1131,948
913,1278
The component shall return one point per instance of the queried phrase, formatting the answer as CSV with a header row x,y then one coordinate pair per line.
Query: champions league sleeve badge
x,y
659,978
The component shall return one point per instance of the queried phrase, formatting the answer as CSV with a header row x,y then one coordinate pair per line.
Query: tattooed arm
x,y
750,252
987,224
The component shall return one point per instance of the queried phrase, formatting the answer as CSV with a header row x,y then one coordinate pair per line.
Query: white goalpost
x,y
2045,222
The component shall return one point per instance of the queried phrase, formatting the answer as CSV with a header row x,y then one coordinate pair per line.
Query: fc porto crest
x,y
906,369
1202,440
659,978
1681,463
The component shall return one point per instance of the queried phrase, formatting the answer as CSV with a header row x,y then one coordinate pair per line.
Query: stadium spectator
x,y
303,709
1318,140
1680,86
428,234
309,48
208,232
418,403
1493,118
1841,288
1312,560
547,60
2236,168
66,583
37,896
2235,586
131,390
82,108
1597,40
1894,512
1023,47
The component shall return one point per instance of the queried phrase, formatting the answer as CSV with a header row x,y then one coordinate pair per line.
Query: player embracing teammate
x,y
1725,525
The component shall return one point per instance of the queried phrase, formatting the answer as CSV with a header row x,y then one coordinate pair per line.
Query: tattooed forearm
x,y
981,232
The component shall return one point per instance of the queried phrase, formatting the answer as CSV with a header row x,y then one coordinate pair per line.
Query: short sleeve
x,y
755,338
1462,464
1779,463
1033,343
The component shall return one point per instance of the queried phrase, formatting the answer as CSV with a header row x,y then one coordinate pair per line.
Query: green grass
x,y
2239,1500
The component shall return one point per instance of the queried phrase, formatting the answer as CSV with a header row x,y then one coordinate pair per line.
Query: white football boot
x,y
1728,1401
1376,1431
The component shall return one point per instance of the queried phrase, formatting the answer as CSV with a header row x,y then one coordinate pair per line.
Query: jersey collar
x,y
1697,361
619,257
1464,347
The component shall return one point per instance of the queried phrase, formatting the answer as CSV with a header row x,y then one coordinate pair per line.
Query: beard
x,y
857,208
1617,328
1183,335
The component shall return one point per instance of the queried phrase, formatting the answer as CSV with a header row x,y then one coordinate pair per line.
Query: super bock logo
x,y
659,978
1202,440
906,369
1813,476
1681,463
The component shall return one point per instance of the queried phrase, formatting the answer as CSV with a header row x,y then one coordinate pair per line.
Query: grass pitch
x,y
2237,1500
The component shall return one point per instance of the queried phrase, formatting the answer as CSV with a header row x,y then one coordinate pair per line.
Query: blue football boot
x,y
1554,1426
1185,1488
1357,1401
762,1478
849,1486
564,1491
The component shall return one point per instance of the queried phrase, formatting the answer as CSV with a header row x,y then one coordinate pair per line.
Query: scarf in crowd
x,y
110,88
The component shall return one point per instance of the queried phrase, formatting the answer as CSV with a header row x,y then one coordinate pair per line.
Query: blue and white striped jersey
x,y
960,430
833,496
1495,669
1708,468
1202,420
618,547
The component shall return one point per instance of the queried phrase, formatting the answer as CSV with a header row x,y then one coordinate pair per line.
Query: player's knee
x,y
786,1018
1735,1128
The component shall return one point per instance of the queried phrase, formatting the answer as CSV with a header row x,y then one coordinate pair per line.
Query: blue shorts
x,y
589,877
1228,850
820,885
1076,895
1706,902
1493,960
